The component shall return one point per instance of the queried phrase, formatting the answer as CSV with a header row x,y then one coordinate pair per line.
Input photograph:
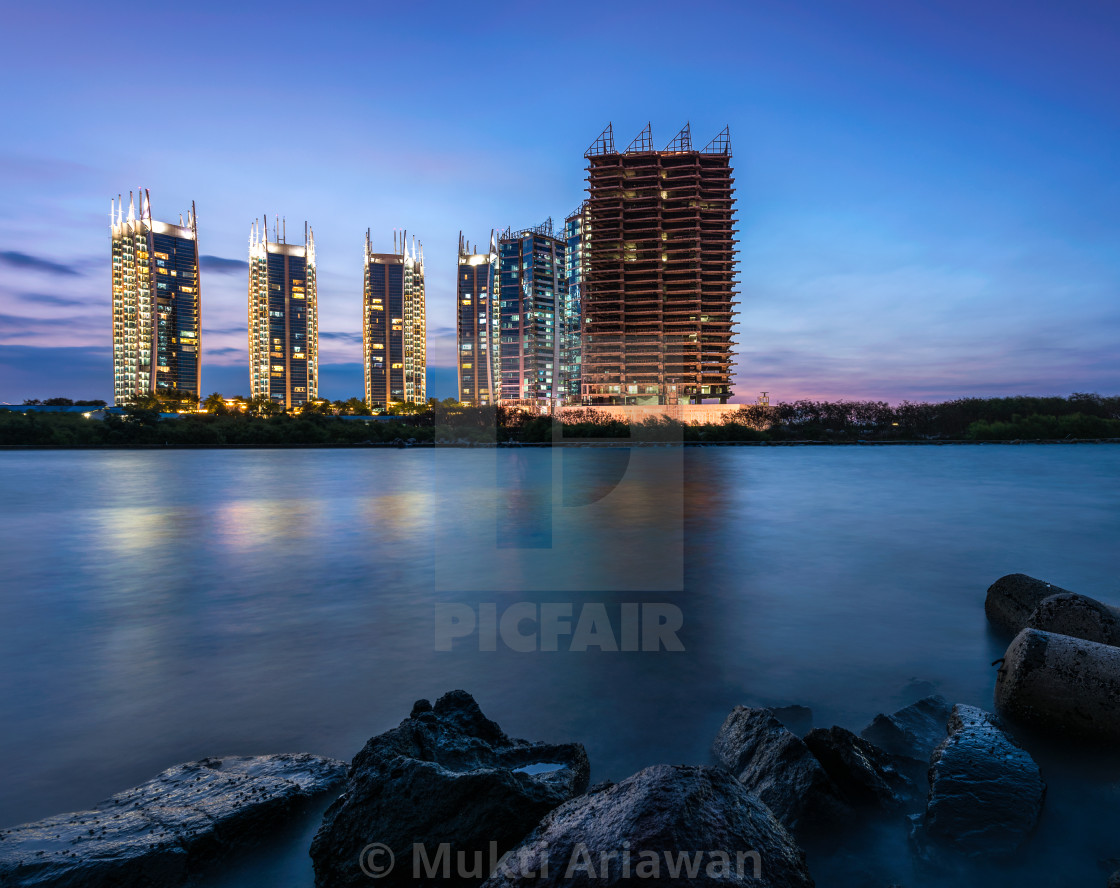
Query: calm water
x,y
158,607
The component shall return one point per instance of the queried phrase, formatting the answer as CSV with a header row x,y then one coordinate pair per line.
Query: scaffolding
x,y
659,289
544,229
602,145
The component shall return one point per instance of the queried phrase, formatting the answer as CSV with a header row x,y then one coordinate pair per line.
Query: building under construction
x,y
659,283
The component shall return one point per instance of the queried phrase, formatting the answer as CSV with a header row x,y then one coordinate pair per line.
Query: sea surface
x,y
158,607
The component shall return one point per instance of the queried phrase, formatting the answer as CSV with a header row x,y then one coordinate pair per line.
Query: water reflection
x,y
258,601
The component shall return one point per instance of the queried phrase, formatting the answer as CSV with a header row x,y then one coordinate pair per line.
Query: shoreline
x,y
616,443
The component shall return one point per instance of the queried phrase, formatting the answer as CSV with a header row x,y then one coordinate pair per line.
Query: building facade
x,y
477,324
532,290
283,317
659,278
157,306
394,324
577,233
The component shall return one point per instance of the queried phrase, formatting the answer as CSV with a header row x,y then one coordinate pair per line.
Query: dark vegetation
x,y
260,424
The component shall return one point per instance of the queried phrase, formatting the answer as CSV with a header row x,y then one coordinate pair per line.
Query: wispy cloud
x,y
340,336
227,331
27,262
50,299
221,265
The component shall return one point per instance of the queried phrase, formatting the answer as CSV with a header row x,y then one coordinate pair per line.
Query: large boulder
x,y
985,792
1078,616
1012,599
447,775
865,775
775,764
666,825
169,829
914,731
1061,684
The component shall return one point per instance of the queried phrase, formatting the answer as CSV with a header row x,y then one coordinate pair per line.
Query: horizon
x,y
924,197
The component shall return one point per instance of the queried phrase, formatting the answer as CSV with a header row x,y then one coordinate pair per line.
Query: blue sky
x,y
927,192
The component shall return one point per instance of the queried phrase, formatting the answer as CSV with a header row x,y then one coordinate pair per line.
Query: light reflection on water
x,y
159,607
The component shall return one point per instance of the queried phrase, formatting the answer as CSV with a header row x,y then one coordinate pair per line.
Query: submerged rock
x,y
666,825
446,774
1078,616
1061,684
1012,599
914,731
865,775
985,793
168,829
775,764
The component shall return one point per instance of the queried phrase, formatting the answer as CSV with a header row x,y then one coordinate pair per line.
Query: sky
x,y
926,191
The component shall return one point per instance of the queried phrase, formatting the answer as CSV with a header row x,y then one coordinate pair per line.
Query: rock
x,y
914,731
1078,616
798,719
775,764
1012,599
1062,684
985,793
446,774
165,831
666,825
865,775
1114,880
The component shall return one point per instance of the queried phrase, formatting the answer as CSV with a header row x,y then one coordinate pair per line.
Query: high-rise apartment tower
x,y
157,307
283,317
476,327
577,235
659,276
532,290
394,326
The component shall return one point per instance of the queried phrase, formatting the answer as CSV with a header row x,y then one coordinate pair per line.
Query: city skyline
x,y
925,196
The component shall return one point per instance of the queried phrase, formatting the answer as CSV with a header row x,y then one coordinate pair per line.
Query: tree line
x,y
259,423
